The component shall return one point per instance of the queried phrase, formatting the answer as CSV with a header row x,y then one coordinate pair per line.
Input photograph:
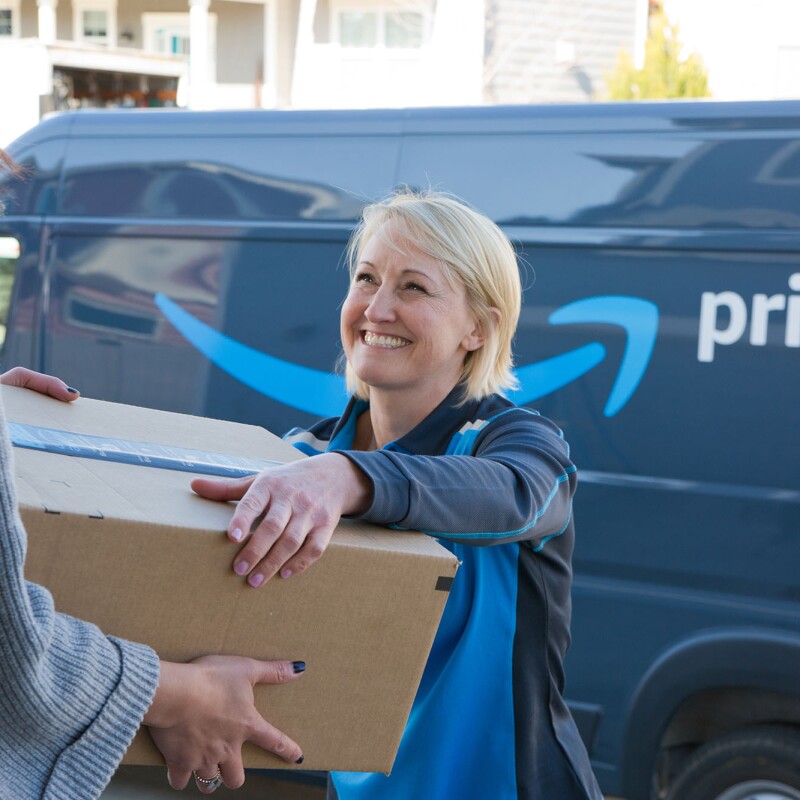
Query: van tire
x,y
757,764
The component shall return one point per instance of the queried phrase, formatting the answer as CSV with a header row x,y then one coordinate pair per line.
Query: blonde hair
x,y
471,250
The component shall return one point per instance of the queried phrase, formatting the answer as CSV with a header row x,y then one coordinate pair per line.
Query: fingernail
x,y
236,534
255,580
287,573
298,666
70,389
300,760
241,568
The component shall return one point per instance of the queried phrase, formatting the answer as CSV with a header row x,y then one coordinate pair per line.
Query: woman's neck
x,y
392,415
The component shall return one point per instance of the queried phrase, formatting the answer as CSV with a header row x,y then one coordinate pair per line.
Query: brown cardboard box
x,y
131,548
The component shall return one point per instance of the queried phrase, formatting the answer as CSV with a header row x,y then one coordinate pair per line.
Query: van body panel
x,y
660,255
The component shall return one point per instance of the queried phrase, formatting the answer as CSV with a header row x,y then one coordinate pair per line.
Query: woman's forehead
x,y
398,239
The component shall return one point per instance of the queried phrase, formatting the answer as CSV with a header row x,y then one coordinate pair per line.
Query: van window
x,y
245,178
672,180
33,190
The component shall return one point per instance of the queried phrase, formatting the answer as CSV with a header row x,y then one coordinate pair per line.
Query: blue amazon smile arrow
x,y
323,394
637,317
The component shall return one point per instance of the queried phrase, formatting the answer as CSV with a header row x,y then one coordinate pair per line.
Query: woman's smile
x,y
383,340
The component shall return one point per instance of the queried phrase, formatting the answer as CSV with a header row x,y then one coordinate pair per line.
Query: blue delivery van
x,y
194,262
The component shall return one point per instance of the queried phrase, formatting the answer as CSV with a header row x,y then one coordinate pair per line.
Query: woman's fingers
x,y
222,488
232,773
252,492
253,498
296,507
204,711
284,535
288,541
39,382
273,672
313,547
178,777
253,503
268,737
261,543
208,779
262,733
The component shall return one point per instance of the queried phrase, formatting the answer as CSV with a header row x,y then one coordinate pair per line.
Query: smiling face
x,y
404,328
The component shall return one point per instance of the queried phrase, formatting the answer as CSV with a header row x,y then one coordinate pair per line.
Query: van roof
x,y
590,117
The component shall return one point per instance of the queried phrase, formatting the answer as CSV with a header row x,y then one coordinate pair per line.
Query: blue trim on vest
x,y
305,447
344,438
539,547
505,534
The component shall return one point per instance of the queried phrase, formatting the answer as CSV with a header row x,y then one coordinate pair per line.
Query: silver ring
x,y
209,783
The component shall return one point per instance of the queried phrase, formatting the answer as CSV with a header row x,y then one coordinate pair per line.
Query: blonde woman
x,y
428,442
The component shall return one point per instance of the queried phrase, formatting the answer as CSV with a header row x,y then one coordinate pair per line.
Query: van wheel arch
x,y
740,666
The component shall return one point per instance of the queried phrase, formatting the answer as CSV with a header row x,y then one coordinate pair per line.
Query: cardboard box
x,y
131,548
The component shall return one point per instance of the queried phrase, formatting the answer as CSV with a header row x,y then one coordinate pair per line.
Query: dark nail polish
x,y
300,760
70,389
298,666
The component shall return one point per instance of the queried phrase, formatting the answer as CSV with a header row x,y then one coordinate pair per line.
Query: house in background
x,y
555,51
57,54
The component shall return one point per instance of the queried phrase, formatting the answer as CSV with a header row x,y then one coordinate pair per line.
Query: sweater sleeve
x,y
71,699
516,485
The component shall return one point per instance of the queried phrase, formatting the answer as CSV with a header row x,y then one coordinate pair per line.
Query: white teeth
x,y
384,341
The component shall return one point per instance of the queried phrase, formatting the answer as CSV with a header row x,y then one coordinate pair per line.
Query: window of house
x,y
358,28
380,27
95,21
168,34
172,41
94,25
9,19
404,29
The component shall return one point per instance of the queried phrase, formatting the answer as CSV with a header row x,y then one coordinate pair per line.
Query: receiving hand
x,y
302,503
203,712
39,382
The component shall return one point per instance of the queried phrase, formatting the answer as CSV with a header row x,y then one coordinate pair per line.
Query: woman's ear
x,y
475,339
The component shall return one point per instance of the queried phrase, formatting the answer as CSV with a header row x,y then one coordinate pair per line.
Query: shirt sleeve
x,y
71,699
517,485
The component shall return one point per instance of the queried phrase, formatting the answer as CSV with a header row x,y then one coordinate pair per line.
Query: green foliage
x,y
664,74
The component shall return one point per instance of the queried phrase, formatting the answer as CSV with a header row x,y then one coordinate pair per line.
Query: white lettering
x,y
792,338
759,319
709,333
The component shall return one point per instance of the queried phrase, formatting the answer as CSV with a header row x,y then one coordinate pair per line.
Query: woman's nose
x,y
381,305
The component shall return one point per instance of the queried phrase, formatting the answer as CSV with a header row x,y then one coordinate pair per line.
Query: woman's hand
x,y
38,382
203,712
302,503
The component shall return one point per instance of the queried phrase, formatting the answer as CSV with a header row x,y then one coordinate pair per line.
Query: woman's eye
x,y
415,287
363,277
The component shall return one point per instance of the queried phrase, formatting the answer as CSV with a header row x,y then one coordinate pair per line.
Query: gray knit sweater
x,y
71,698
